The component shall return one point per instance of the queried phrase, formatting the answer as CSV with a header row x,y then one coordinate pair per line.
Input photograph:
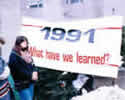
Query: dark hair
x,y
2,41
20,39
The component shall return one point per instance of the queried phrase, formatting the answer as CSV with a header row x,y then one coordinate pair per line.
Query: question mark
x,y
107,55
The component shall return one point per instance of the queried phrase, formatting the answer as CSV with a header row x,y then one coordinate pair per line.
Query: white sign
x,y
89,47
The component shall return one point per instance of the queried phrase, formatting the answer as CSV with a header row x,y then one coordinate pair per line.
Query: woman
x,y
22,68
4,73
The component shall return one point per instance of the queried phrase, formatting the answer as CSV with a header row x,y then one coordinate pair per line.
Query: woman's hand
x,y
35,76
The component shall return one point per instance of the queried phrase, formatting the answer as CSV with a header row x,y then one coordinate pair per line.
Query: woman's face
x,y
24,44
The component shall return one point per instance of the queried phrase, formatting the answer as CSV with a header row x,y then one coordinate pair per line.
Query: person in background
x,y
22,68
4,73
83,83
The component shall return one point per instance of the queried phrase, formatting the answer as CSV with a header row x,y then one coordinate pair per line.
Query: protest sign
x,y
89,47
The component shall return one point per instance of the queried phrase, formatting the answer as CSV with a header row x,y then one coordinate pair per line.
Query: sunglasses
x,y
24,49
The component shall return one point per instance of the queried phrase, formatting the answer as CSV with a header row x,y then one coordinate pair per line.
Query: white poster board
x,y
89,47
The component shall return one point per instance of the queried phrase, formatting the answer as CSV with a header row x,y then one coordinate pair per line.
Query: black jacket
x,y
20,70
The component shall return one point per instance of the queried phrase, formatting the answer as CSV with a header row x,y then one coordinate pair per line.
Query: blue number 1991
x,y
72,35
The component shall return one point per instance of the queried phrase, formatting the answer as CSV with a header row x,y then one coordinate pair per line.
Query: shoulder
x,y
14,57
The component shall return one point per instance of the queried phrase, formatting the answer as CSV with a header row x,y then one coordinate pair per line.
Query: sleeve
x,y
4,70
18,69
5,73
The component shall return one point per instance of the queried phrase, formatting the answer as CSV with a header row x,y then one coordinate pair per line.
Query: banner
x,y
89,47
